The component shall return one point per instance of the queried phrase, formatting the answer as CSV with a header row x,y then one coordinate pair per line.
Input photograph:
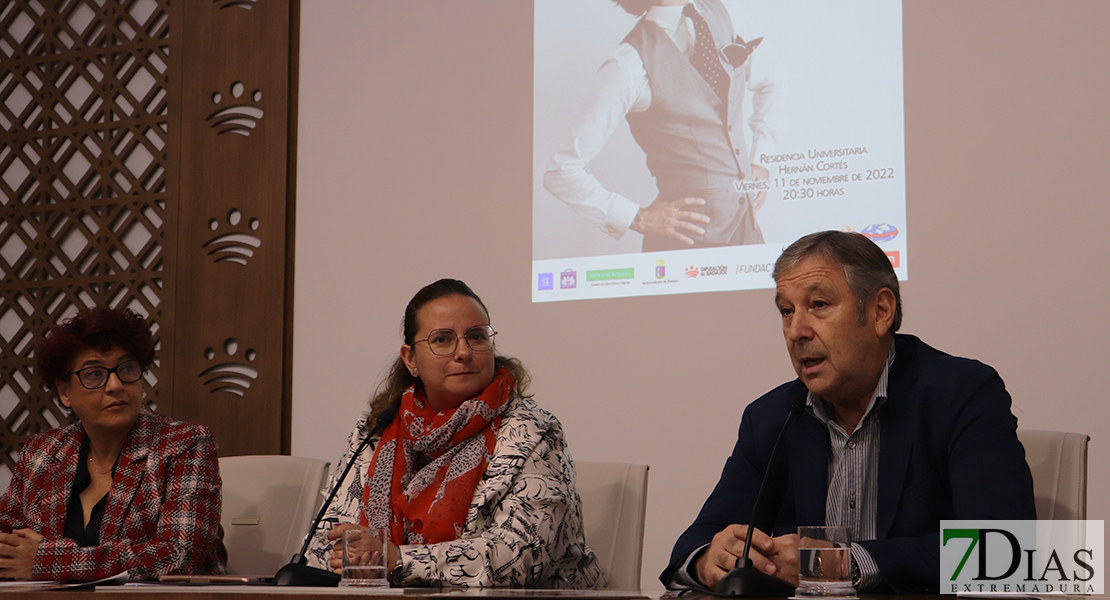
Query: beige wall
x,y
415,163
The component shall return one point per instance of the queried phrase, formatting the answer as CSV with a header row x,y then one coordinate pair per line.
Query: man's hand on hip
x,y
760,173
670,219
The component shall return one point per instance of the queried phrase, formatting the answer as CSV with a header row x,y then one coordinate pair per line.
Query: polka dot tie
x,y
705,58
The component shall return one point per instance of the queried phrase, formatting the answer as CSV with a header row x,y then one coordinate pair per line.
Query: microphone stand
x,y
297,572
744,579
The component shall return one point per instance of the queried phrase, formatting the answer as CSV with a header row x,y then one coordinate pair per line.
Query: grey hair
x,y
866,267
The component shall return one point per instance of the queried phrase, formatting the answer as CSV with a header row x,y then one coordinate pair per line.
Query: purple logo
x,y
546,281
660,269
568,280
880,232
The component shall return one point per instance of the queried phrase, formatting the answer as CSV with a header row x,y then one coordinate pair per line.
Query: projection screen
x,y
807,135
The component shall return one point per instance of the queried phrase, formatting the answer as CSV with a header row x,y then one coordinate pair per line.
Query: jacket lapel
x,y
896,444
810,459
129,475
520,432
62,462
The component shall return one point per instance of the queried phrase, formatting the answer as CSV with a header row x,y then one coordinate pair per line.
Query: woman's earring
x,y
414,372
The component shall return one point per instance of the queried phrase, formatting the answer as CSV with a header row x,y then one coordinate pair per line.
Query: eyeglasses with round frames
x,y
444,341
94,378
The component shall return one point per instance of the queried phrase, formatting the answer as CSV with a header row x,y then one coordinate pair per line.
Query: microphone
x,y
744,579
297,572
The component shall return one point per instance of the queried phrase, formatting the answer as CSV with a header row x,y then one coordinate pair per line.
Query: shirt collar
x,y
821,409
666,17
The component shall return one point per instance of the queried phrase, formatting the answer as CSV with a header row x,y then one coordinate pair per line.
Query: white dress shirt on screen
x,y
621,87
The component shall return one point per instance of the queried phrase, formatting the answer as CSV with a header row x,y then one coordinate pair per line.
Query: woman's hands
x,y
336,536
17,553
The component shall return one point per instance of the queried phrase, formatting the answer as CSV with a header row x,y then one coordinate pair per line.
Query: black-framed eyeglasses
x,y
444,341
94,378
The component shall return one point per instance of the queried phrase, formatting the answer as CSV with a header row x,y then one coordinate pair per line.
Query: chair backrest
x,y
1058,461
269,502
614,501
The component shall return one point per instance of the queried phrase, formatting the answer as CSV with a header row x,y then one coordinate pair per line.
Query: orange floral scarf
x,y
427,465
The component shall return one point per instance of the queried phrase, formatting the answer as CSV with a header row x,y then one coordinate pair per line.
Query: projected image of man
x,y
680,78
895,435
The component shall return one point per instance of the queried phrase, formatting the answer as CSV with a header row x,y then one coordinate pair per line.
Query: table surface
x,y
263,592
198,592
252,592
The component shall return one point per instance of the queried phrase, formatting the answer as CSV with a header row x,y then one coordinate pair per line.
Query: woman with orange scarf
x,y
471,477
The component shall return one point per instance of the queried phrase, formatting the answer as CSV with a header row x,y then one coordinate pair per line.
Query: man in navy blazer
x,y
895,436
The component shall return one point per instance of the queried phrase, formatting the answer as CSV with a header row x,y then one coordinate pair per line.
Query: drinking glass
x,y
365,563
824,562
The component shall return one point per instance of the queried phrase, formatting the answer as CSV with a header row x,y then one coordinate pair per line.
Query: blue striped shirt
x,y
852,499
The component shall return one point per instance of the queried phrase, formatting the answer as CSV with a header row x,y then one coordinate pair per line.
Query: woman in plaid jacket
x,y
123,489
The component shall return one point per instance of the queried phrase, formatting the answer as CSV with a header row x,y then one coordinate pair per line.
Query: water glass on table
x,y
824,562
365,562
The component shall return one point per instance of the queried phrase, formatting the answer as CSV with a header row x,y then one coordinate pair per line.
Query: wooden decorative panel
x,y
144,162
233,226
84,111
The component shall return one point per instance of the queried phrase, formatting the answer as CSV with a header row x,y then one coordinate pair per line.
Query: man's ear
x,y
882,311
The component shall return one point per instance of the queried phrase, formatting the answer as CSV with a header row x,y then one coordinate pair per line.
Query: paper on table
x,y
30,586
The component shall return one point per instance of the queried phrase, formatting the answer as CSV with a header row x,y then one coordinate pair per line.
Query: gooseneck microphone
x,y
297,572
744,579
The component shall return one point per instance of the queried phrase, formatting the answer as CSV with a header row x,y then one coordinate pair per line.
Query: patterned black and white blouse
x,y
524,525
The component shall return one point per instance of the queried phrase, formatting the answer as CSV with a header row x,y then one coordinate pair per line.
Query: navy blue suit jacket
x,y
948,449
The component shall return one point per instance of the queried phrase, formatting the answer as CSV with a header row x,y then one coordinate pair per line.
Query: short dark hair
x,y
95,328
866,267
634,7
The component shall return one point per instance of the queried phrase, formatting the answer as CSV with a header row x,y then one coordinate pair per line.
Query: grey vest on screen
x,y
695,146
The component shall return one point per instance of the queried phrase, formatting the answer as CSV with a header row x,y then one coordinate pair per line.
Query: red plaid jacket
x,y
162,514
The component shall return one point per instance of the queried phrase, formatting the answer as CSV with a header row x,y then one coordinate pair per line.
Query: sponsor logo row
x,y
570,279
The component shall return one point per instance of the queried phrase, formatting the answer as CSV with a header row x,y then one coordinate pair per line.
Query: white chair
x,y
614,501
1058,461
269,502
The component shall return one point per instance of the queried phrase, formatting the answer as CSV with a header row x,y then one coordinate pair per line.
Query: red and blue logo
x,y
880,232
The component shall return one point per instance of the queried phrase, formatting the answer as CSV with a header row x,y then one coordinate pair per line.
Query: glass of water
x,y
365,562
824,562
